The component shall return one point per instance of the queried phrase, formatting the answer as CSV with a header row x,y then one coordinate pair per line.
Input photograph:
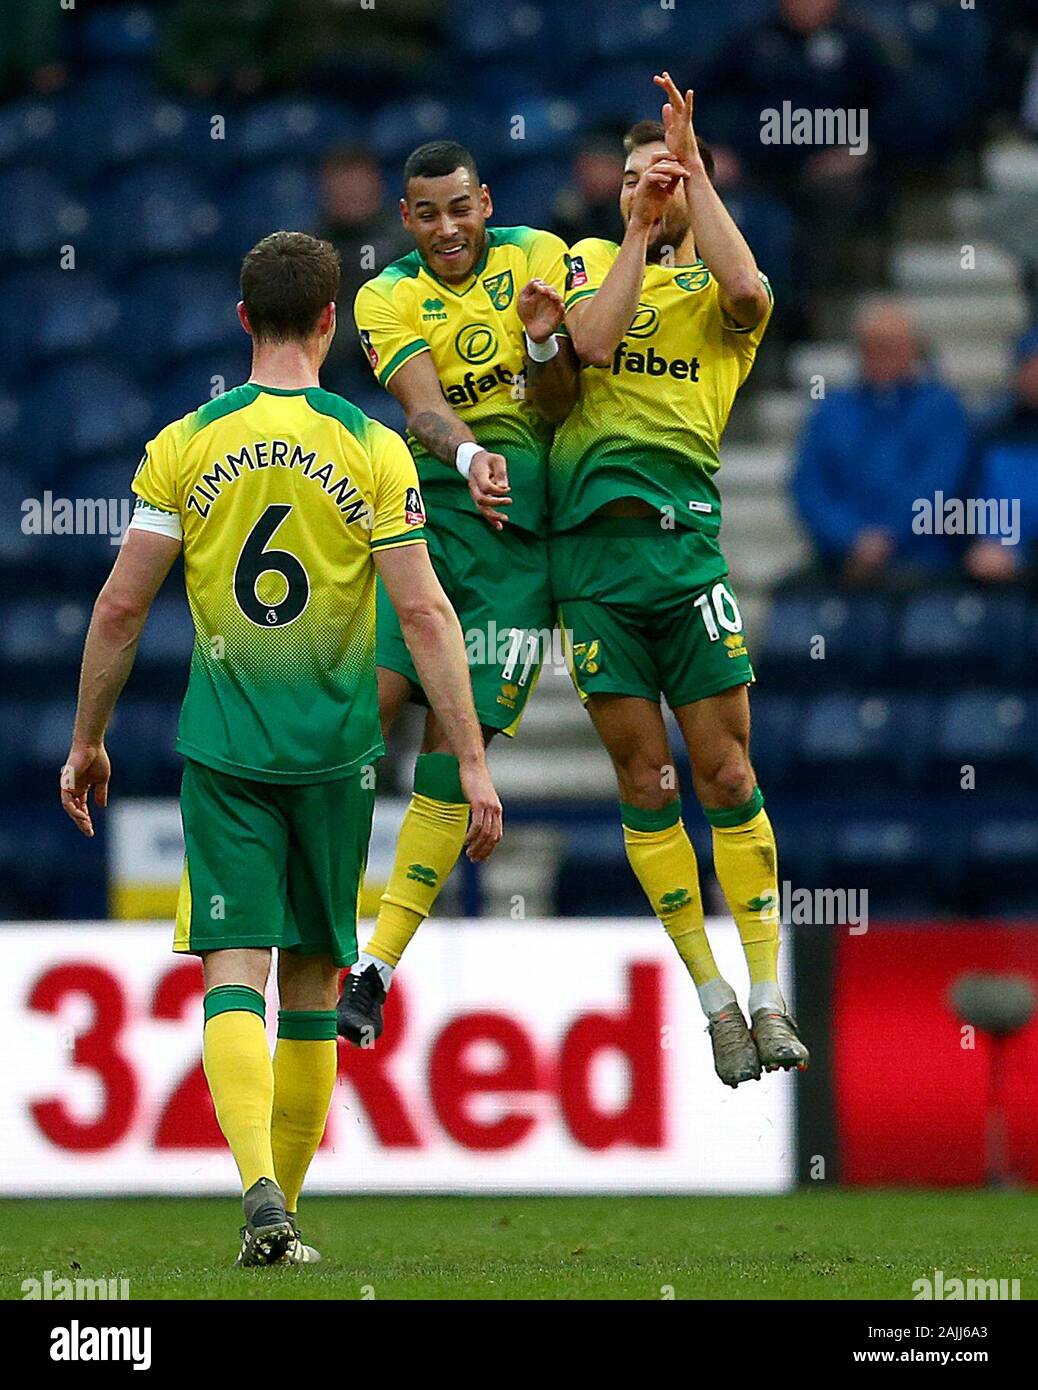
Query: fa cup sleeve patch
x,y
576,274
369,347
414,512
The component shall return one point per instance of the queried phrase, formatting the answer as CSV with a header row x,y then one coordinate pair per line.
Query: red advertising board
x,y
912,1085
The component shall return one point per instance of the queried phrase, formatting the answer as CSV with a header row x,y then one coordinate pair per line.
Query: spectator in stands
x,y
870,452
588,206
364,225
1007,468
810,56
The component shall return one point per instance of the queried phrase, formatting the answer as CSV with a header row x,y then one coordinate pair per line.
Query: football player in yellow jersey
x,y
286,500
667,325
462,333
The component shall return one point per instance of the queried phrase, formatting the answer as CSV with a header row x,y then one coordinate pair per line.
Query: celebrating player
x,y
667,325
286,500
461,332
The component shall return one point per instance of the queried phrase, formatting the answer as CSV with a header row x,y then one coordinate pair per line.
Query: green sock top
x,y
307,1025
438,776
728,818
636,819
225,999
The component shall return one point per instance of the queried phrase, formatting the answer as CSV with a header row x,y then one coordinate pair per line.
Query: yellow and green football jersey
x,y
282,496
475,335
649,425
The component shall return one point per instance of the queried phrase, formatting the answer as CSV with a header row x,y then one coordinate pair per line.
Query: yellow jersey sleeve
x,y
386,334
155,481
748,339
546,260
587,265
399,511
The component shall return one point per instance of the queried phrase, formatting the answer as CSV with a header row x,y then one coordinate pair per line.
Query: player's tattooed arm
x,y
719,243
552,386
439,430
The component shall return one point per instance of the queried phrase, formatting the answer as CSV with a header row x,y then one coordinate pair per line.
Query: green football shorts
x,y
497,582
647,611
272,865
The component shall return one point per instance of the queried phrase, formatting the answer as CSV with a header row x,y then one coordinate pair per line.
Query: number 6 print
x,y
255,561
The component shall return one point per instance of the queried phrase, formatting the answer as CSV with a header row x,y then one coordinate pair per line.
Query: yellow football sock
x,y
431,838
236,1060
746,864
305,1064
664,862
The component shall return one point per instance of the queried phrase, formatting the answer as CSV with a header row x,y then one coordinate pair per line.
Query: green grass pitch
x,y
825,1245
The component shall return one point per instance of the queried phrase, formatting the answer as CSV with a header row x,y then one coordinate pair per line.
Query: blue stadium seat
x,y
285,197
126,33
153,212
774,720
80,410
50,733
399,126
619,95
990,731
193,308
15,440
197,380
947,634
549,128
289,129
37,215
1001,865
684,38
856,632
168,638
43,632
862,743
515,29
903,865
30,130
56,313
17,547
141,745
525,196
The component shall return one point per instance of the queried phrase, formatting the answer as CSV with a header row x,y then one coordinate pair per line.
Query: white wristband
x,y
463,458
541,352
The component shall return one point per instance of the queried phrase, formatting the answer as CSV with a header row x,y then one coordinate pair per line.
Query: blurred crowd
x,y
936,79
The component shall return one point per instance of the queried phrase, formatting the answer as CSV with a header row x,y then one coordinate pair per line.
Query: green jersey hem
x,y
288,779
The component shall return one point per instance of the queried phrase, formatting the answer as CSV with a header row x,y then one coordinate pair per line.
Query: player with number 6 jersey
x,y
285,500
666,326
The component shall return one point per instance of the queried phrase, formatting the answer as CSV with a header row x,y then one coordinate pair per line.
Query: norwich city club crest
x,y
693,280
500,288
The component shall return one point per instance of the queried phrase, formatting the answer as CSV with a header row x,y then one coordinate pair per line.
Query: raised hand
x,y
677,125
541,309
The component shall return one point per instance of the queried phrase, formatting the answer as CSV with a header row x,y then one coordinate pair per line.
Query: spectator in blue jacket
x,y
1007,470
873,451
